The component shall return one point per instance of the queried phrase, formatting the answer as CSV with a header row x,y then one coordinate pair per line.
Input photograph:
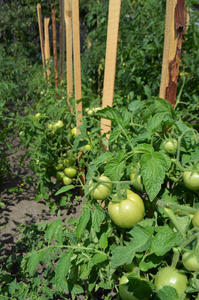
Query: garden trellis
x,y
174,26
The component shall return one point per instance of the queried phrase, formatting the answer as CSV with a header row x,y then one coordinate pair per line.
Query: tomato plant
x,y
100,191
169,276
190,261
170,146
128,212
191,180
195,219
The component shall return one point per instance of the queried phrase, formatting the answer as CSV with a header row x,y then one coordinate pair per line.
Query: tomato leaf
x,y
82,222
64,189
62,268
150,261
155,121
153,169
114,169
98,217
167,292
98,258
54,232
140,242
103,241
141,288
164,240
115,133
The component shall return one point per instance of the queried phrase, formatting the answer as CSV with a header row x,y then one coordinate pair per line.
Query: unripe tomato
x,y
38,115
50,126
123,289
70,172
59,166
59,175
67,180
59,124
90,112
74,131
169,276
170,146
102,190
128,212
87,147
195,220
191,180
191,263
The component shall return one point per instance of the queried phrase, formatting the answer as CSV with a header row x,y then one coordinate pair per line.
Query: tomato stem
x,y
175,222
182,208
175,259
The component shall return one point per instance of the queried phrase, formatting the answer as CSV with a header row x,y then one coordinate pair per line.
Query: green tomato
x,y
59,124
169,276
191,263
59,175
191,180
59,166
67,180
123,289
128,212
74,131
195,220
38,115
102,190
70,172
87,147
90,112
50,126
130,267
170,146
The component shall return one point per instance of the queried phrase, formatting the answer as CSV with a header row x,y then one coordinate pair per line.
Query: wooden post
x,y
77,62
174,25
54,44
47,43
69,49
62,40
110,60
41,35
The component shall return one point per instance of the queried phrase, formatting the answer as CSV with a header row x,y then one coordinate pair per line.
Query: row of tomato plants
x,y
138,232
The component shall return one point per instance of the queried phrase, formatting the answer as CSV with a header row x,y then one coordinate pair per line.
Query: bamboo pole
x,y
174,25
69,49
41,35
47,43
110,60
62,40
54,44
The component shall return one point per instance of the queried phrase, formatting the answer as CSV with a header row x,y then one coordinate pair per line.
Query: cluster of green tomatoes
x,y
66,169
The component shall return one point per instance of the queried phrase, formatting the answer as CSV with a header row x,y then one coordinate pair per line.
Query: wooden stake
x,y
54,44
110,62
41,35
174,25
77,62
69,49
77,75
62,40
47,43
